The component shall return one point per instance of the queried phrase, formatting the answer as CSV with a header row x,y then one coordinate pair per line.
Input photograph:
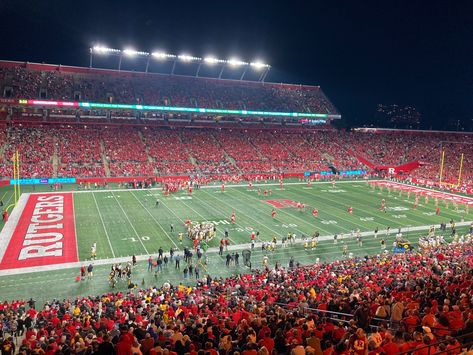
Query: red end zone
x,y
45,233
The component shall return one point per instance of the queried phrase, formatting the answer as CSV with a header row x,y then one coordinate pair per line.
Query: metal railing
x,y
347,317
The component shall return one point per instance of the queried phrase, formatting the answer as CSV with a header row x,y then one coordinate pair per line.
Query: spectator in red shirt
x,y
390,348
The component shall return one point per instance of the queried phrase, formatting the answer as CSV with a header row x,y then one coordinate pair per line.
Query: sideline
x,y
218,186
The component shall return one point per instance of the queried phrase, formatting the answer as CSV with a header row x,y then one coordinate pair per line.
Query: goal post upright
x,y
441,167
460,172
452,181
16,179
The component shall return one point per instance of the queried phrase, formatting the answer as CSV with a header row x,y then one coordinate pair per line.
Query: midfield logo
x,y
281,203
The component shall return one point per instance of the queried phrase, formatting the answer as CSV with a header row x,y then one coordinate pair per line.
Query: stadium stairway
x,y
362,159
106,167
2,151
232,161
143,140
328,157
193,161
260,155
55,157
227,156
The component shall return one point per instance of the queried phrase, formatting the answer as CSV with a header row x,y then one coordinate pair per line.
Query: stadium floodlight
x,y
188,58
211,60
124,54
236,62
259,65
102,49
131,52
162,55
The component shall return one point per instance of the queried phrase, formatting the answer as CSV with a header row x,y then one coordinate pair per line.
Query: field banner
x,y
45,233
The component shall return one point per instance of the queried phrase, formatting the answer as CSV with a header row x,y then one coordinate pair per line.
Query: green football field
x,y
128,222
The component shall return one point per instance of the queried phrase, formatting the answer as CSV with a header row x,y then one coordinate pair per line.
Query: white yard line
x,y
211,186
6,204
281,210
103,224
425,189
157,222
248,216
128,219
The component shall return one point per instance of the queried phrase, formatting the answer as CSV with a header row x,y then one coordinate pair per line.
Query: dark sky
x,y
361,52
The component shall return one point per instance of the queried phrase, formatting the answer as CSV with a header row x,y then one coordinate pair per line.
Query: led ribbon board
x,y
341,172
44,181
96,105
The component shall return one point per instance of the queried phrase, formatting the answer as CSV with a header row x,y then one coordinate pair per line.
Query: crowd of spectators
x,y
99,151
385,304
126,152
162,90
79,153
207,152
238,145
395,149
166,148
36,147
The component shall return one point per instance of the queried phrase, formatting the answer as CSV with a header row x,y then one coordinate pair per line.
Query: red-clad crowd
x,y
389,304
207,152
79,153
25,83
100,151
125,152
169,154
398,148
36,148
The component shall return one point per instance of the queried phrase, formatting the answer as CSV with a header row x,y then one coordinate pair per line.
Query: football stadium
x,y
155,209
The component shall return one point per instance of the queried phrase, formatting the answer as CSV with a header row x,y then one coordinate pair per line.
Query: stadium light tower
x,y
209,60
257,65
160,55
185,58
129,52
101,50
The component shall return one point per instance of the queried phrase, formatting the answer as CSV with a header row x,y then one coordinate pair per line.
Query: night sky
x,y
361,52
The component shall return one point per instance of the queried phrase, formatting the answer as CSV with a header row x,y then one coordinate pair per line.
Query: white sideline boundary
x,y
9,227
426,189
77,265
210,187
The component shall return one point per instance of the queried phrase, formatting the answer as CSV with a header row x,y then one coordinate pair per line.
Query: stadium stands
x,y
397,148
79,153
100,151
126,153
382,304
24,83
37,149
224,147
206,151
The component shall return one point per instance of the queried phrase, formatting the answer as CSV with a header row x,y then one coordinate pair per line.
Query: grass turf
x,y
127,222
